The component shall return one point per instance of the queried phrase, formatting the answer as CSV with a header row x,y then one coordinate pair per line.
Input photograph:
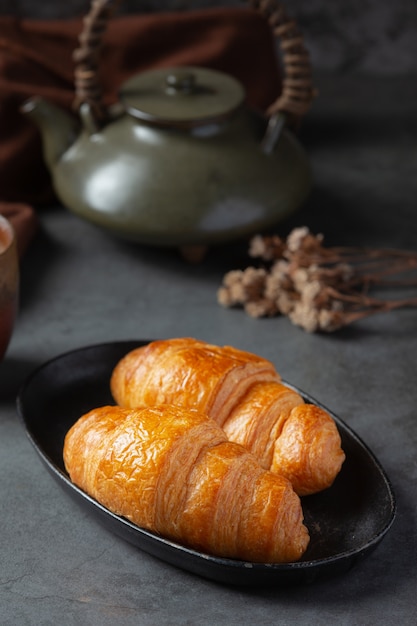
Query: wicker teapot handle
x,y
297,88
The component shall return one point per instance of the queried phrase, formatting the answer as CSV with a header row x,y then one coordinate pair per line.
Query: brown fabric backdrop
x,y
36,59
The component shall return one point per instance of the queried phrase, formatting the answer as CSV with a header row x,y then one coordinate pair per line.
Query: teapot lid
x,y
185,96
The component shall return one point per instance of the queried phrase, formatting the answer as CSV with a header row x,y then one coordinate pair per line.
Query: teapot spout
x,y
58,129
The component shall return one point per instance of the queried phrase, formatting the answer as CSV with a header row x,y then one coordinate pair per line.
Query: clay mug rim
x,y
7,235
9,282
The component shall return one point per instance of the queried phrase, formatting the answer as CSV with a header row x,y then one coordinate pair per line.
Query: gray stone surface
x,y
80,286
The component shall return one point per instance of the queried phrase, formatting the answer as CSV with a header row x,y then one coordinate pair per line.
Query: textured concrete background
x,y
365,36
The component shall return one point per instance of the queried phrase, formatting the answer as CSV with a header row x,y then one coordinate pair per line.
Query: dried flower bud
x,y
305,316
311,291
300,277
232,277
253,281
331,320
296,237
261,308
225,298
286,302
302,239
278,281
266,248
280,271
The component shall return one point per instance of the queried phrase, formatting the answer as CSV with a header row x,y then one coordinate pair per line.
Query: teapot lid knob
x,y
182,96
180,80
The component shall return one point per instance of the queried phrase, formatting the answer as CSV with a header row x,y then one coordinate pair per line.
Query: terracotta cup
x,y
9,283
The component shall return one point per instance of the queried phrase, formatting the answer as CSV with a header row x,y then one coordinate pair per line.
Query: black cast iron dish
x,y
346,522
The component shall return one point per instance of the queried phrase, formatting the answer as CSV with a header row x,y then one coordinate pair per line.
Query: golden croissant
x,y
173,471
244,394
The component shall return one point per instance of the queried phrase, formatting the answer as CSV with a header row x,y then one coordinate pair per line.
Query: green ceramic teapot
x,y
180,160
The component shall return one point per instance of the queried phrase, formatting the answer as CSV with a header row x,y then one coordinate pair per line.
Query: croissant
x,y
244,394
173,471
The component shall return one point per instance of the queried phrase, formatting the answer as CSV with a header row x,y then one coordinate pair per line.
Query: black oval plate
x,y
346,522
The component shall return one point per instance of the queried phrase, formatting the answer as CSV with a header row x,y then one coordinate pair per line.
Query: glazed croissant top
x,y
173,471
244,394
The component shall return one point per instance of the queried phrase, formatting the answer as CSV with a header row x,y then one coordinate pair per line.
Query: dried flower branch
x,y
318,288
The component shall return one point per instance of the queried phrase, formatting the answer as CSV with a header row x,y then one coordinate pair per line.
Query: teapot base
x,y
193,254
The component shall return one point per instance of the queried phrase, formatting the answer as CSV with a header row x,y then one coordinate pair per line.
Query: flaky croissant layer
x,y
173,471
244,394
